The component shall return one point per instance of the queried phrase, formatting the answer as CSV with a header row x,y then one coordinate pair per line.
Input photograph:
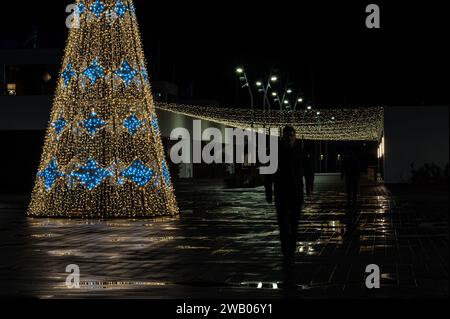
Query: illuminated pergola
x,y
338,124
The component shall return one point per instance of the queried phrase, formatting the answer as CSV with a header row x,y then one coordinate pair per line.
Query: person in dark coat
x,y
351,172
287,185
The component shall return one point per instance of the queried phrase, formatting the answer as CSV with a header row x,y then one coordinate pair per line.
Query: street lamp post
x,y
265,89
243,78
284,101
297,102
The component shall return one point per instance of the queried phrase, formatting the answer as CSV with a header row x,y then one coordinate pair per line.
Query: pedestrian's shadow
x,y
350,219
351,233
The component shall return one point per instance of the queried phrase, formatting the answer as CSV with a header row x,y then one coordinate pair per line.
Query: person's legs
x,y
294,210
309,186
294,219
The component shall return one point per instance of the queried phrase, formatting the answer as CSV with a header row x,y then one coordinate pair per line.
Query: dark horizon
x,y
325,51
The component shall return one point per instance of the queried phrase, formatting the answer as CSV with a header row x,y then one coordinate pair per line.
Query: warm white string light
x,y
337,124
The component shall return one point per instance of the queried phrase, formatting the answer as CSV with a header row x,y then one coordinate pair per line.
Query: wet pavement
x,y
225,245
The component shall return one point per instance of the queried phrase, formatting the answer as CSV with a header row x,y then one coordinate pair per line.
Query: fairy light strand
x,y
337,124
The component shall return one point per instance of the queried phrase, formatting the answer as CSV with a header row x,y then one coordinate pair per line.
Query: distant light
x,y
333,118
11,88
381,148
46,77
239,70
274,94
300,100
318,113
289,91
258,83
309,107
286,102
321,157
274,79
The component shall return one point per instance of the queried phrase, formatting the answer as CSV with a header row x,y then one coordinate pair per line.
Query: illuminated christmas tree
x,y
103,155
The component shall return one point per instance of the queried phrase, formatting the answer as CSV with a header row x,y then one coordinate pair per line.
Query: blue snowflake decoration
x,y
126,72
166,173
93,123
50,174
81,8
132,124
68,74
91,175
144,73
59,125
97,8
94,72
138,173
155,125
120,8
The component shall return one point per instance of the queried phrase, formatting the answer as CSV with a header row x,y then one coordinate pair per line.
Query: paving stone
x,y
225,244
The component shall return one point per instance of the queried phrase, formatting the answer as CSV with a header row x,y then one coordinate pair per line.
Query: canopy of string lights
x,y
337,124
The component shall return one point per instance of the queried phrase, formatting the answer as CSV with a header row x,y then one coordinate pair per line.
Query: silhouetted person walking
x,y
351,171
288,190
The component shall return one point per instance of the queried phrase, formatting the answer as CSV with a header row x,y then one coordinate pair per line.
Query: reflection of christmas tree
x,y
103,155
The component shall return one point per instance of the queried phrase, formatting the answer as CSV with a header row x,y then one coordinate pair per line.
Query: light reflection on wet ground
x,y
225,244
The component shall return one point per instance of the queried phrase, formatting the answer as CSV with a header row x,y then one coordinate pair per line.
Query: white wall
x,y
416,135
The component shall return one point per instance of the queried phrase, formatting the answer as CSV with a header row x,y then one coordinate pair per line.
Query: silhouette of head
x,y
289,135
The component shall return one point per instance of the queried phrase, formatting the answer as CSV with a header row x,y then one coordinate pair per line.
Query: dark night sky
x,y
201,42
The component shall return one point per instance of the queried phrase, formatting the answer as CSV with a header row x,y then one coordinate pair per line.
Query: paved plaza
x,y
225,245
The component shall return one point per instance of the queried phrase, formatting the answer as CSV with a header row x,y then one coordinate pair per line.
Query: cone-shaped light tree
x,y
103,155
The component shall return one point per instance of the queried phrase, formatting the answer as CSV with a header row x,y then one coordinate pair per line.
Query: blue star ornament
x,y
166,173
81,8
50,174
68,74
93,124
144,73
120,8
59,125
126,72
97,8
155,125
138,173
94,72
132,124
91,175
